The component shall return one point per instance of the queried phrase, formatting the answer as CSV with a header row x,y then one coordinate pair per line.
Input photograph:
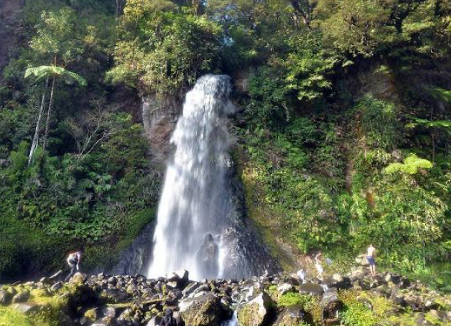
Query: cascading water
x,y
195,203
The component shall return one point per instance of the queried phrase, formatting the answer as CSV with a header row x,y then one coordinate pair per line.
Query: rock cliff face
x,y
9,10
282,300
159,117
134,259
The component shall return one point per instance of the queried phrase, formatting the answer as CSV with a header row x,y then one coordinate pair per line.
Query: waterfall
x,y
194,205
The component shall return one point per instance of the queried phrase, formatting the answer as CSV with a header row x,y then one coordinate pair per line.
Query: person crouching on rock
x,y
371,253
73,260
168,319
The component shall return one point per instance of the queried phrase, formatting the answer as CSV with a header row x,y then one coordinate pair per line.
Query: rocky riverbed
x,y
125,300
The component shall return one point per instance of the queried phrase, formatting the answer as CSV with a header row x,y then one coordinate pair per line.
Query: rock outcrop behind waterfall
x,y
125,300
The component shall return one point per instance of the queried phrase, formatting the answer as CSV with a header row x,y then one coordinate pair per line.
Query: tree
x,y
161,49
47,72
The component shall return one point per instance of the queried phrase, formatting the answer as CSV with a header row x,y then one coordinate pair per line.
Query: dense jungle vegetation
x,y
343,133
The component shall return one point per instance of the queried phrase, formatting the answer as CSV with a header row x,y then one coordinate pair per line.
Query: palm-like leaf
x,y
44,71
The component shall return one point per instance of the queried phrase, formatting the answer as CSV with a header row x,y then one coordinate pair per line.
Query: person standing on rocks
x,y
73,260
370,256
318,266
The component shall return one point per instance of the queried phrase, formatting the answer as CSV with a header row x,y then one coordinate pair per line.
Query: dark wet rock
x,y
133,259
331,307
22,296
241,235
394,278
56,286
207,256
338,281
5,297
404,283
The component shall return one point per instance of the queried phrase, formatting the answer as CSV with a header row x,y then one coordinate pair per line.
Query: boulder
x,y
293,316
256,312
207,256
109,312
92,314
22,296
284,288
5,297
361,260
55,287
27,308
338,281
393,278
181,275
204,310
78,278
331,306
311,288
358,273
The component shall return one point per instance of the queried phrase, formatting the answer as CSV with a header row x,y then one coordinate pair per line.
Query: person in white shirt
x,y
319,267
73,260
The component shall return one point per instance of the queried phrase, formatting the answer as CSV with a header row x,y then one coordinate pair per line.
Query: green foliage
x,y
308,66
377,124
45,71
294,299
320,158
366,28
55,36
163,49
412,164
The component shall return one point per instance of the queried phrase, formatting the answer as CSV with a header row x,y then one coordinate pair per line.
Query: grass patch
x,y
9,317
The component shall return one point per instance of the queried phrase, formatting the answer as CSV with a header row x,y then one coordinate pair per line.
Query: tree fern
x,y
42,72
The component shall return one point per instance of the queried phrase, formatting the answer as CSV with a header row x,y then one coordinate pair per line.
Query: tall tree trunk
x,y
34,143
47,123
433,145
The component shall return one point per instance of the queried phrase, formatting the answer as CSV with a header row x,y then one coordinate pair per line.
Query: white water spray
x,y
194,205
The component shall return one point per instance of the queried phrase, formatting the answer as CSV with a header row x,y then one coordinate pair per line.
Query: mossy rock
x,y
202,311
92,314
256,312
293,316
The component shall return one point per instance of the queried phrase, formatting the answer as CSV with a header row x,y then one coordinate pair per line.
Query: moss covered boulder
x,y
293,316
256,312
204,310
